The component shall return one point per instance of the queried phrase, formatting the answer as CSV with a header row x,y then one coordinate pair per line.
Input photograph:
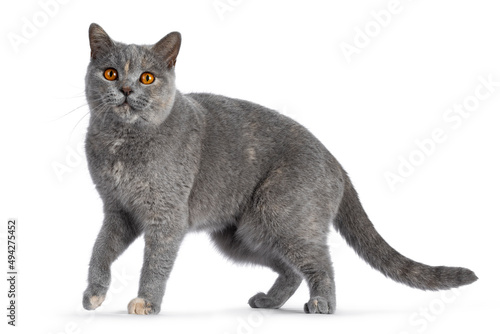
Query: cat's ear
x,y
168,48
100,42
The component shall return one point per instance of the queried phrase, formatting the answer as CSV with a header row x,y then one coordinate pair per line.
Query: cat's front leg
x,y
116,234
162,242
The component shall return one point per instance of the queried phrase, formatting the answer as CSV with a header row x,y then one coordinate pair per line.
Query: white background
x,y
285,55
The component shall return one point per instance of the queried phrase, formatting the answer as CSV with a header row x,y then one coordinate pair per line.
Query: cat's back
x,y
249,123
235,110
248,120
240,132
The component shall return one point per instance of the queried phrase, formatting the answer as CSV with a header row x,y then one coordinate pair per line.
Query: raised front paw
x,y
261,300
92,300
142,307
319,305
93,296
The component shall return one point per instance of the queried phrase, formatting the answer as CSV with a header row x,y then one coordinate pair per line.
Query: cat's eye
x,y
147,78
111,74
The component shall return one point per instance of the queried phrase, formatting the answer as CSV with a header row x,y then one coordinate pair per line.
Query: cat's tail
x,y
353,224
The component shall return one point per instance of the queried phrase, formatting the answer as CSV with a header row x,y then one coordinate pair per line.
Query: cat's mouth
x,y
125,111
128,113
125,104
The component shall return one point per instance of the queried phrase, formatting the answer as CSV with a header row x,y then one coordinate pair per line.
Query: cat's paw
x,y
91,302
319,305
93,296
261,300
142,307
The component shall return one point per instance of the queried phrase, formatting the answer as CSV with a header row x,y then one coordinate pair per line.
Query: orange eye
x,y
111,74
147,78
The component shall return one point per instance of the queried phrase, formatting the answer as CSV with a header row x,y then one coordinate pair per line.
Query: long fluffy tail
x,y
353,224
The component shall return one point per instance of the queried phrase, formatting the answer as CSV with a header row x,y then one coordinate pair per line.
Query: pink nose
x,y
126,90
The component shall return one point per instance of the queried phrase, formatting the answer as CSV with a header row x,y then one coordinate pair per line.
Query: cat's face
x,y
131,83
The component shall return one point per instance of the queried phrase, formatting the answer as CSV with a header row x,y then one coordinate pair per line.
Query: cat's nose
x,y
126,90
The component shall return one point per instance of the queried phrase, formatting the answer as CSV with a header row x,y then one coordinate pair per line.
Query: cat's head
x,y
134,84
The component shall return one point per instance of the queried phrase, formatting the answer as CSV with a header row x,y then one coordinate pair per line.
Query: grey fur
x,y
265,188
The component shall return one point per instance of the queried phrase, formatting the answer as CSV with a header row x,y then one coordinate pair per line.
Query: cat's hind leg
x,y
310,256
285,285
283,288
313,262
291,217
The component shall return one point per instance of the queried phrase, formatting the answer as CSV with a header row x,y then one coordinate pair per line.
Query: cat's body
x,y
265,188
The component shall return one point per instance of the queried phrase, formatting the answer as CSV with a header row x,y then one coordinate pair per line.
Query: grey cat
x,y
263,187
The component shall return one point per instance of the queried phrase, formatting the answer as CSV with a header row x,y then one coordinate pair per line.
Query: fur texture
x,y
264,188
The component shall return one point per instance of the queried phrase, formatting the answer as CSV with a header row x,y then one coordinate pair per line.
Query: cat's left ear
x,y
168,48
99,40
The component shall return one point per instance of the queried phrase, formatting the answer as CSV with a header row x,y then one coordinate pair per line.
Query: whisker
x,y
66,114
88,113
99,109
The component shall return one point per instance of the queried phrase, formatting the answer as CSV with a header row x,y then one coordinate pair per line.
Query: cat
x,y
263,187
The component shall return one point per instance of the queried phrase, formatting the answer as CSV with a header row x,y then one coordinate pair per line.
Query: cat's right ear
x,y
100,42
